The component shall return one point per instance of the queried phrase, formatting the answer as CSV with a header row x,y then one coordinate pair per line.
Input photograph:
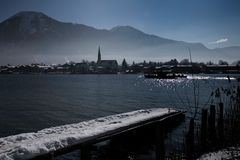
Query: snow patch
x,y
29,145
229,153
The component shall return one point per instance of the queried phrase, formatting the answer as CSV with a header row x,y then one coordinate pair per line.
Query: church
x,y
106,66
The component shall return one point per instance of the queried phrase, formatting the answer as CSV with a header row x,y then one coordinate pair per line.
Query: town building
x,y
106,66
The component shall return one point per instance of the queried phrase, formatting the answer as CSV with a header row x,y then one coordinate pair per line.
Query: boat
x,y
167,76
164,75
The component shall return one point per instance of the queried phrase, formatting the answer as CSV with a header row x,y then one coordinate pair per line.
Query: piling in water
x,y
85,152
203,131
160,147
220,123
190,141
212,127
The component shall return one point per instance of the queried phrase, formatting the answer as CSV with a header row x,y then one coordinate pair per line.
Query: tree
x,y
144,63
221,62
238,63
173,62
184,62
209,63
124,64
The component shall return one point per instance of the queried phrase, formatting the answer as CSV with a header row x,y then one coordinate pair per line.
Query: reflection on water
x,y
181,90
32,102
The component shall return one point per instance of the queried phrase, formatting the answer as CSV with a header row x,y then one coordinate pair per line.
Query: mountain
x,y
232,51
33,37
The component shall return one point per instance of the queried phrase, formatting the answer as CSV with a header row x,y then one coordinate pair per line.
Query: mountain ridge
x,y
30,35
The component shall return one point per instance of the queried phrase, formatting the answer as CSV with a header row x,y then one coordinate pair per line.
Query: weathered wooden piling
x,y
203,138
220,123
190,141
51,156
211,125
85,152
160,147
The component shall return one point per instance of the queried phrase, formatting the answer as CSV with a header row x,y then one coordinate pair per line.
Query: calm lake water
x,y
33,102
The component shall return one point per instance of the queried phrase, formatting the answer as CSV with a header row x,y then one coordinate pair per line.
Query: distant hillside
x,y
233,52
30,37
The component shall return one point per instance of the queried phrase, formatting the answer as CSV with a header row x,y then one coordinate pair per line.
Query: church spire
x,y
99,55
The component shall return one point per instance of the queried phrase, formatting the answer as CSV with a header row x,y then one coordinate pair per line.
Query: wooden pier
x,y
159,119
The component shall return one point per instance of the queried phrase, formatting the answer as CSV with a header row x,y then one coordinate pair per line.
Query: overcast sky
x,y
215,23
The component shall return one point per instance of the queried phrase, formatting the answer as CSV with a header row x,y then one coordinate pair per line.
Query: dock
x,y
52,142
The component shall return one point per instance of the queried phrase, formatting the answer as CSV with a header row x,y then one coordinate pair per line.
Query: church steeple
x,y
99,55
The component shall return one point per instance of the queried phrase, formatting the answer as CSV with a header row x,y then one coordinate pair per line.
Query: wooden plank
x,y
111,134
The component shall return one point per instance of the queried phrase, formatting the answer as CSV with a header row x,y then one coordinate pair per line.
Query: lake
x,y
33,102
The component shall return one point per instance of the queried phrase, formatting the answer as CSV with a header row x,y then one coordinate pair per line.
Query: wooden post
x,y
238,92
49,156
190,141
160,148
85,153
220,123
204,129
52,156
238,96
212,128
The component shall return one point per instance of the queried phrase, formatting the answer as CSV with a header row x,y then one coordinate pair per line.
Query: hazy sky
x,y
215,23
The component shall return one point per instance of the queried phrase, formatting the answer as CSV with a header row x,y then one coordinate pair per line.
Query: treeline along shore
x,y
112,67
